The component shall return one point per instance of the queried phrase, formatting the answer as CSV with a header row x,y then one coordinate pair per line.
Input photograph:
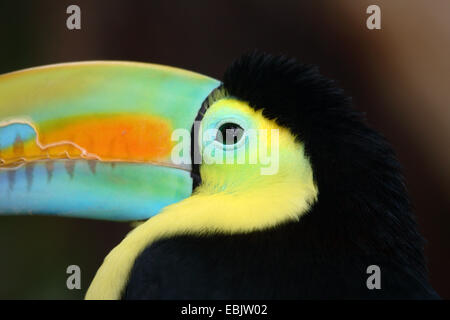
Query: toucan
x,y
268,184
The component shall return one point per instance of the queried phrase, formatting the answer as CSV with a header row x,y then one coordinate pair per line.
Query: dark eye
x,y
229,133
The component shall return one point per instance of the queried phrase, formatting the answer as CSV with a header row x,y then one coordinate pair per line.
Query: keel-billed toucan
x,y
305,219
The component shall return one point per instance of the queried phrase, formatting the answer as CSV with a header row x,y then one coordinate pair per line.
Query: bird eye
x,y
229,133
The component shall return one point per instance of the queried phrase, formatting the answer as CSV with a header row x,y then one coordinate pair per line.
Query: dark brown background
x,y
399,75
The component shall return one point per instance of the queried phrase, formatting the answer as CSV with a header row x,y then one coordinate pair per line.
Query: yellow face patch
x,y
265,151
233,197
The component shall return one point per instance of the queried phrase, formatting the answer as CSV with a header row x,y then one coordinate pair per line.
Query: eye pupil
x,y
229,133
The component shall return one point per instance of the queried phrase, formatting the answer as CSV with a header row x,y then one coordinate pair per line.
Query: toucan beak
x,y
95,139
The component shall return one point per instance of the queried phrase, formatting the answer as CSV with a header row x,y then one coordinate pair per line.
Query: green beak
x,y
96,139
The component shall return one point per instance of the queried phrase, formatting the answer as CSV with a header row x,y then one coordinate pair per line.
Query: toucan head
x,y
274,142
121,141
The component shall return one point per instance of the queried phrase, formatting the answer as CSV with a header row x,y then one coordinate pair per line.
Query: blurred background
x,y
399,76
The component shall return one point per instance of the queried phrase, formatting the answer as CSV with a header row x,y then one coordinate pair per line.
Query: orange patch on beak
x,y
134,138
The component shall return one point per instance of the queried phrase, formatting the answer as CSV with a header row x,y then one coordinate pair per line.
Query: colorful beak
x,y
94,139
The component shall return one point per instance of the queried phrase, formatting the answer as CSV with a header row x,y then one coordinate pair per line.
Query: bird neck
x,y
257,208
